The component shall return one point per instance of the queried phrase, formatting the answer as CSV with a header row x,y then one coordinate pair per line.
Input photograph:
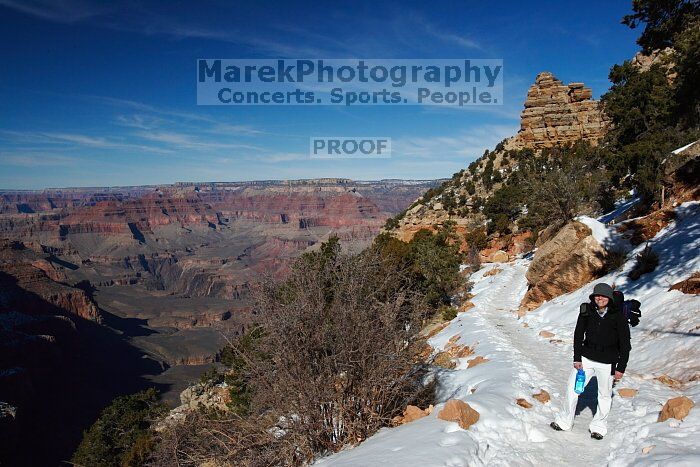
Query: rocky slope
x,y
553,114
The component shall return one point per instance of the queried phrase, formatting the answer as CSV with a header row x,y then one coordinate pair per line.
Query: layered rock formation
x,y
553,114
556,113
27,281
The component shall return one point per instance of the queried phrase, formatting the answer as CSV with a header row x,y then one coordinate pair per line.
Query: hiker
x,y
601,349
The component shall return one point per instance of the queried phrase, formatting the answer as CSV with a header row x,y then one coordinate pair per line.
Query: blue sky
x,y
95,94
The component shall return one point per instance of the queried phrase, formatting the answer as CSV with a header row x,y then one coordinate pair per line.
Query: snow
x,y
681,149
600,232
521,363
621,207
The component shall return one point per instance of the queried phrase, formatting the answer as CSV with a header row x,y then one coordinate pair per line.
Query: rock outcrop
x,y
556,113
553,114
571,259
689,286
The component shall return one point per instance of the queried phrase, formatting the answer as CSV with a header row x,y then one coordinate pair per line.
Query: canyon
x,y
105,291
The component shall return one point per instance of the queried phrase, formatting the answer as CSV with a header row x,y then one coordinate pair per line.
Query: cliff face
x,y
556,113
26,278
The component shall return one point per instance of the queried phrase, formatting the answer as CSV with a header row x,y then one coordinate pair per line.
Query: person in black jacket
x,y
601,349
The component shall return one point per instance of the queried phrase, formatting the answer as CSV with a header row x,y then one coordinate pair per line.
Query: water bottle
x,y
580,381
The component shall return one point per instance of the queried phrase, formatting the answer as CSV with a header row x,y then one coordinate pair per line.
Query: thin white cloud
x,y
35,159
467,145
58,138
66,11
183,140
460,41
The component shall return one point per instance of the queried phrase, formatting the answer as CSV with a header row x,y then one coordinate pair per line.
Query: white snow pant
x,y
601,371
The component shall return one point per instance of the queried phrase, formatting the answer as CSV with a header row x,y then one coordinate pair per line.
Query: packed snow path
x,y
521,363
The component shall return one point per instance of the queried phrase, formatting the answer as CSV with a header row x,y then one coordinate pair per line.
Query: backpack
x,y
629,308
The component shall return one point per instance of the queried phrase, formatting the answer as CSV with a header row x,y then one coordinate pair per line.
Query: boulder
x,y
677,408
542,396
523,403
546,334
571,259
627,392
459,411
413,413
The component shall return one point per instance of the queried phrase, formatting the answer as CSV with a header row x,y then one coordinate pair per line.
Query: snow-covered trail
x,y
536,364
521,363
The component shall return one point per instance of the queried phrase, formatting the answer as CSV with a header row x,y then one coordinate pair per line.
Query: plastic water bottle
x,y
580,381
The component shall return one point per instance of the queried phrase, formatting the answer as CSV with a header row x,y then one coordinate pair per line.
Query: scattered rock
x,y
492,272
690,286
426,350
459,411
643,229
523,403
461,351
413,413
206,396
7,411
452,341
542,396
476,361
647,449
546,334
456,350
498,256
677,408
525,325
568,261
627,392
444,360
668,381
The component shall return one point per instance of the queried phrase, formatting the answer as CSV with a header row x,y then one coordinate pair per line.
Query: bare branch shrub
x,y
334,362
647,260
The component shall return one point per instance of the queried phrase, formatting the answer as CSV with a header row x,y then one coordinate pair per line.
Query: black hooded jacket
x,y
604,340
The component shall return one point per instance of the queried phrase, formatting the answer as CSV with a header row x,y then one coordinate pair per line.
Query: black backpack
x,y
629,308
